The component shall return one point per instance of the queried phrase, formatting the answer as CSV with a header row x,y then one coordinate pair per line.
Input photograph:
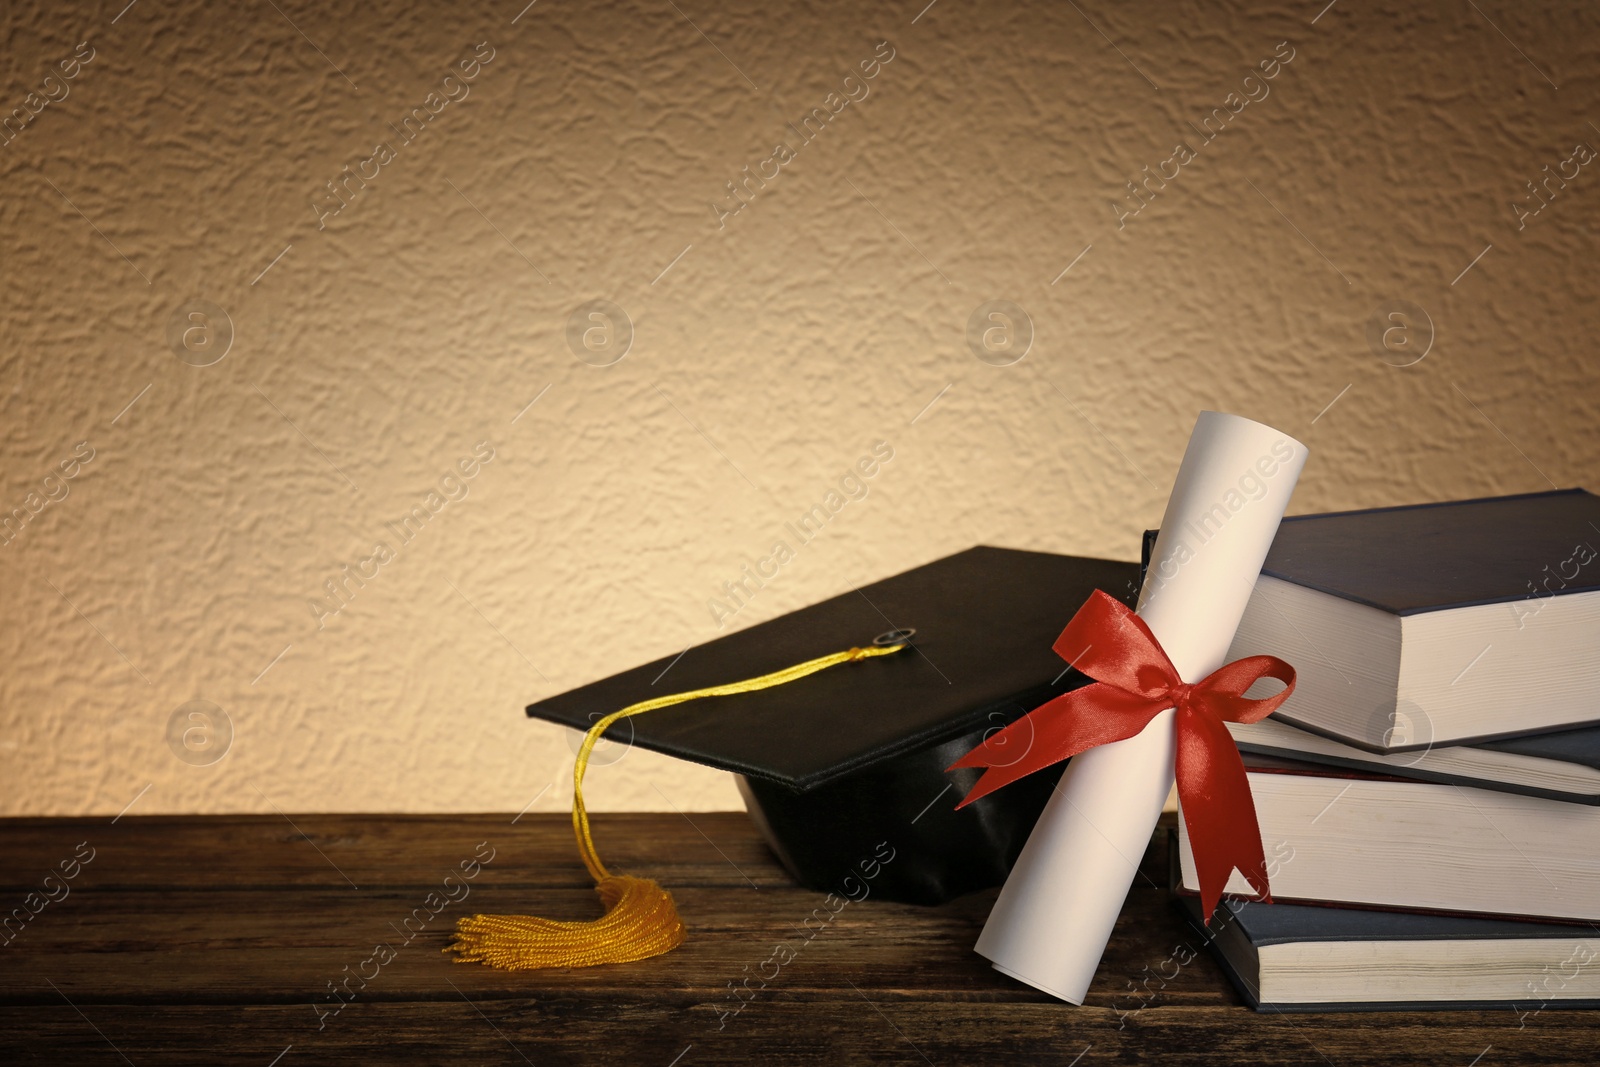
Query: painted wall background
x,y
376,347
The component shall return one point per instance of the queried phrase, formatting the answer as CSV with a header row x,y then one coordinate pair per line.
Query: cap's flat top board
x,y
985,620
1427,557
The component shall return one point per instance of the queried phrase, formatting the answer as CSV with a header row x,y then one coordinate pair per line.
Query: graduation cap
x,y
844,771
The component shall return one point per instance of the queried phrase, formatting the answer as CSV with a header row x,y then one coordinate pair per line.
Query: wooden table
x,y
217,940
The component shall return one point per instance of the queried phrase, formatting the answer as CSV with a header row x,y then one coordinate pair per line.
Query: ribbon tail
x,y
1218,810
993,778
1054,731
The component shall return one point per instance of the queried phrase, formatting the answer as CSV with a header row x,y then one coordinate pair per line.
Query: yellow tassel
x,y
640,922
640,918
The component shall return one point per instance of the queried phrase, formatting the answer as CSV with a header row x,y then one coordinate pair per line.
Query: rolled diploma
x,y
1054,916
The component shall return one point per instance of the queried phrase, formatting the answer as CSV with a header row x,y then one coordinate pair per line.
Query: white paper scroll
x,y
1054,916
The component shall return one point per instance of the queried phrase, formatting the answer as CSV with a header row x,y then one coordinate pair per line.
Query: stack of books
x,y
1429,796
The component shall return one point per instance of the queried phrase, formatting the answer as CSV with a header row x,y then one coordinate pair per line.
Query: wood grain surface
x,y
214,940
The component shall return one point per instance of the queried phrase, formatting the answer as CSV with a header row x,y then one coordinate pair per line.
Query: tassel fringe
x,y
640,920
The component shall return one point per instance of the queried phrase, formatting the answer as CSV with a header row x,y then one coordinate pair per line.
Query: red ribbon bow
x,y
1135,682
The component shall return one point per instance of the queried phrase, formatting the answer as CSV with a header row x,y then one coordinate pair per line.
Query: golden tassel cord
x,y
640,919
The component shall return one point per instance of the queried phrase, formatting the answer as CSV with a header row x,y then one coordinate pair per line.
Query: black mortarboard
x,y
848,765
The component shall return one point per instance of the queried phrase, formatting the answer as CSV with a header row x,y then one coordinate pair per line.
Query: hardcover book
x,y
1350,837
1292,957
1557,766
1437,624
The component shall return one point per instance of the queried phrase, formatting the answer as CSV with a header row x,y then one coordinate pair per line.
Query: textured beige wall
x,y
771,347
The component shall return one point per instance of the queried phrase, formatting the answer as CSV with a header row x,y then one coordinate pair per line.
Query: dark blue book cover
x,y
1261,926
1426,557
1569,746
